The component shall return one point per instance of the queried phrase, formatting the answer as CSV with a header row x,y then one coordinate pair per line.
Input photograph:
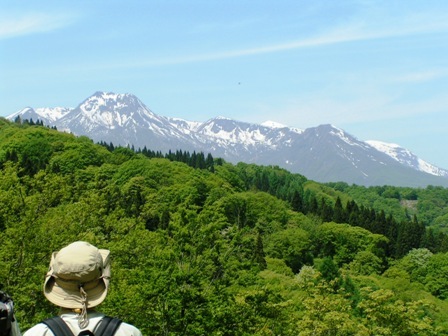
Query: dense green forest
x,y
204,247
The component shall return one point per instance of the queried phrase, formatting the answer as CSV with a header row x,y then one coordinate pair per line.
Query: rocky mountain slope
x,y
324,153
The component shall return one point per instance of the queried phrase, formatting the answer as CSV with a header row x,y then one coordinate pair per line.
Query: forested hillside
x,y
204,247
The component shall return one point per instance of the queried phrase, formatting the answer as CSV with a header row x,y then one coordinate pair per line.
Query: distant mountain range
x,y
324,153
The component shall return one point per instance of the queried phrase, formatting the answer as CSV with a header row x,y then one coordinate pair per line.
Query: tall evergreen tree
x,y
209,163
259,255
326,211
339,215
297,201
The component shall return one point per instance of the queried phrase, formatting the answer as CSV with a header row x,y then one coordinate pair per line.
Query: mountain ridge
x,y
324,153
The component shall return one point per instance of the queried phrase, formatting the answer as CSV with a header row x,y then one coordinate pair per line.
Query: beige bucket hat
x,y
78,277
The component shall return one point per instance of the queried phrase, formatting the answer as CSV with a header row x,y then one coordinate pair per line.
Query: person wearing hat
x,y
78,281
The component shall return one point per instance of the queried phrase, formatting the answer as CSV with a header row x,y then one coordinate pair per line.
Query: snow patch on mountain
x,y
230,131
277,125
272,124
185,126
341,134
407,158
47,114
54,113
105,108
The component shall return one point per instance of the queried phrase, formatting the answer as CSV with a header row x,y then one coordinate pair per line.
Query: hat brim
x,y
66,298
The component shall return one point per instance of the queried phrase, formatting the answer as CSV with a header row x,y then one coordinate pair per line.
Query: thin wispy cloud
x,y
355,31
422,76
32,23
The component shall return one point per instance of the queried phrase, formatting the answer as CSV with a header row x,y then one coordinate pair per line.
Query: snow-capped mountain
x,y
123,120
407,158
234,140
324,153
46,115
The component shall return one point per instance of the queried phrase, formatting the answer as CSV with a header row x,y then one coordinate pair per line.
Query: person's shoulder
x,y
38,330
128,329
125,329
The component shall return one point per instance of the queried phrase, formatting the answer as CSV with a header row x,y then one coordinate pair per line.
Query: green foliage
x,y
76,156
366,263
293,245
211,248
436,279
343,242
415,263
384,314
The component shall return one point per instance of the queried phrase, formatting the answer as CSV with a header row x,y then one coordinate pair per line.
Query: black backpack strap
x,y
107,326
58,326
86,333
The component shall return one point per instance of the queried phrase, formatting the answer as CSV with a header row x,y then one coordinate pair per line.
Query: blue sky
x,y
377,69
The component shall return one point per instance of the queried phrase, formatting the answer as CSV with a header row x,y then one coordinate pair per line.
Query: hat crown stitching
x,y
80,261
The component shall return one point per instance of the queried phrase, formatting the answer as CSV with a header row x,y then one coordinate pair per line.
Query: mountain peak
x,y
105,111
324,153
107,94
220,118
103,97
273,124
102,102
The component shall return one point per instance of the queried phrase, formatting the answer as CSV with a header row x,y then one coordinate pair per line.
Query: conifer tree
x,y
259,255
338,212
326,211
209,163
297,202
